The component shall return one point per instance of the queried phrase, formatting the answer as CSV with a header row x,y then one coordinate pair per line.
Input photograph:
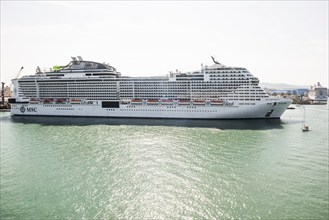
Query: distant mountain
x,y
281,86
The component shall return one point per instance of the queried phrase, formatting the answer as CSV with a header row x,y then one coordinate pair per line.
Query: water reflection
x,y
247,124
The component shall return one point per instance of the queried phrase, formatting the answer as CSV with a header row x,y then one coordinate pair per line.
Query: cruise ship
x,y
318,94
92,89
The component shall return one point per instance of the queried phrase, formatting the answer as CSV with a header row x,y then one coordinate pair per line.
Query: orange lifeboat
x,y
183,102
34,101
75,101
198,102
136,101
152,101
166,102
48,101
216,102
60,101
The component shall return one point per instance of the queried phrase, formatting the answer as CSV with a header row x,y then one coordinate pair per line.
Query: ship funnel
x,y
80,58
74,59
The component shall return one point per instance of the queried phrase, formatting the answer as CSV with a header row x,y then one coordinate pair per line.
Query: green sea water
x,y
84,168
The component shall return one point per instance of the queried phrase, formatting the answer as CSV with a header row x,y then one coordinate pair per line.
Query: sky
x,y
277,41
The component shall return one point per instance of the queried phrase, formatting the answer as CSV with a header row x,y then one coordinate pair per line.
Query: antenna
x,y
80,58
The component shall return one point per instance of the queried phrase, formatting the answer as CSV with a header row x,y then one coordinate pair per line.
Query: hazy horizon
x,y
278,42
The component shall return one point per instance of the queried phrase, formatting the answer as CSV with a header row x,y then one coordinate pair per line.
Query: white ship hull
x,y
261,109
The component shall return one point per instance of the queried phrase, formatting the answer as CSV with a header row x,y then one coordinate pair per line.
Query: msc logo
x,y
22,109
28,109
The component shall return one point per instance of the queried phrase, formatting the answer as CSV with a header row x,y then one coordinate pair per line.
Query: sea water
x,y
84,168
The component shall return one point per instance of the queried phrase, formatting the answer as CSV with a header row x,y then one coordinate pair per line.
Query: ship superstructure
x,y
318,94
86,88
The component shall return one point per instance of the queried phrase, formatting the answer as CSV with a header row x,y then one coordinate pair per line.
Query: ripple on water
x,y
131,171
